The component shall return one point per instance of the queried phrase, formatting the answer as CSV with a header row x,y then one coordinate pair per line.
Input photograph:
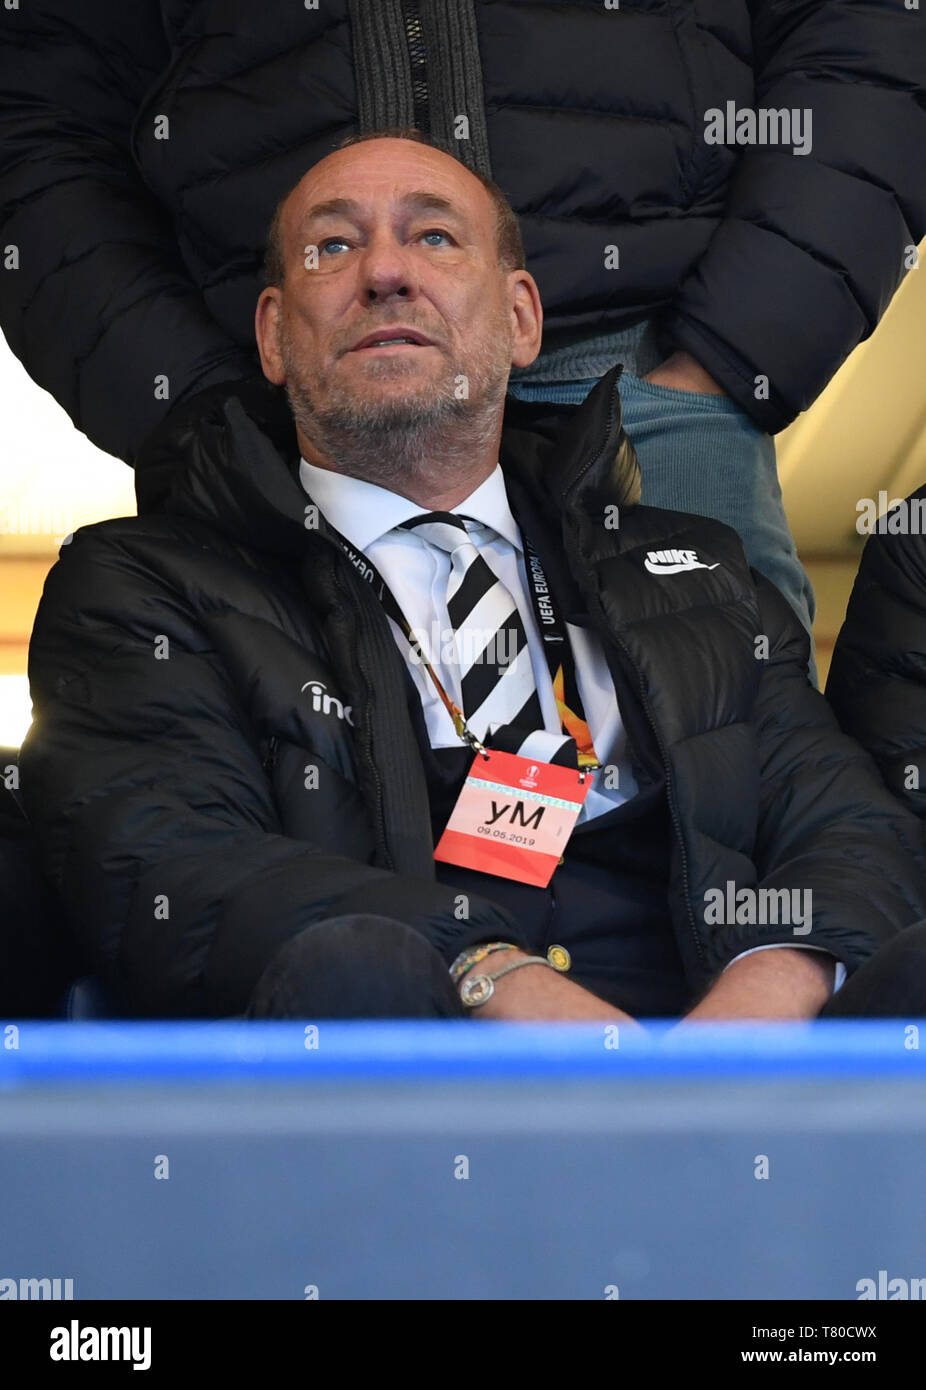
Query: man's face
x,y
386,240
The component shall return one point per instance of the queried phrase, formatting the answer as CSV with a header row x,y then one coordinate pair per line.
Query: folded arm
x,y
99,308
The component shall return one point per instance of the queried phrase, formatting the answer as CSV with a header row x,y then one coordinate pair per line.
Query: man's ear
x,y
267,331
527,314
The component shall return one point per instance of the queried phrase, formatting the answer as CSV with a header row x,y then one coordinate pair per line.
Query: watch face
x,y
477,990
559,957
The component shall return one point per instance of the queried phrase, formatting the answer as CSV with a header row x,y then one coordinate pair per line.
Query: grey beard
x,y
394,441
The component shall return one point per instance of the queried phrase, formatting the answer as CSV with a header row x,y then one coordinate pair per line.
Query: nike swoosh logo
x,y
676,569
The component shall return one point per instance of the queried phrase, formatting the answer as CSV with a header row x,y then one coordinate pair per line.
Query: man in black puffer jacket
x,y
877,679
238,774
877,686
721,194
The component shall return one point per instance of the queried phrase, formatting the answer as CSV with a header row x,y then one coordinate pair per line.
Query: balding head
x,y
507,231
396,321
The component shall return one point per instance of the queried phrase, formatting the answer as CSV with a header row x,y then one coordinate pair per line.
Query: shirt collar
x,y
363,512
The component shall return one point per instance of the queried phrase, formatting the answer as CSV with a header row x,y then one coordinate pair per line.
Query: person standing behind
x,y
722,194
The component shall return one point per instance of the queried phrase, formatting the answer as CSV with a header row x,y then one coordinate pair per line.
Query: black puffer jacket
x,y
139,240
166,769
877,679
37,960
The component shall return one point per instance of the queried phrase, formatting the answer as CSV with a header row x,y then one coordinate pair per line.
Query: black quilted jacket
x,y
144,143
877,679
166,768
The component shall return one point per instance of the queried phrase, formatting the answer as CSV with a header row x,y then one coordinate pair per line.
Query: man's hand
x,y
682,372
778,984
535,992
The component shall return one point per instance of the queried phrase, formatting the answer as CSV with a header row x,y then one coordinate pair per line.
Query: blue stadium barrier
x,y
462,1160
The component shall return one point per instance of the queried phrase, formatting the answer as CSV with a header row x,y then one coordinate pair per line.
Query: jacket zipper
x,y
418,64
270,757
670,790
670,796
364,750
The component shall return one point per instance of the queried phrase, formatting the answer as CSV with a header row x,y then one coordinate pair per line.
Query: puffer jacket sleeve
x,y
877,679
94,298
827,824
155,818
822,238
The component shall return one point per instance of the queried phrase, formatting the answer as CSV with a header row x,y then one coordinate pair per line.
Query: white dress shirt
x,y
417,574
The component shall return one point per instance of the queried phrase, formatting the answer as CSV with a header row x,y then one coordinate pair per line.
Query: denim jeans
x,y
702,454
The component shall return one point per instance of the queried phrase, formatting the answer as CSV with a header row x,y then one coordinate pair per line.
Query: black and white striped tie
x,y
496,678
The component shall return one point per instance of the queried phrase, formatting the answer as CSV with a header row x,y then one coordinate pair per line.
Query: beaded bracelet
x,y
473,955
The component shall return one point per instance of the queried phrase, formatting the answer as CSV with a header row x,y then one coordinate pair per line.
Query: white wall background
x,y
52,480
49,471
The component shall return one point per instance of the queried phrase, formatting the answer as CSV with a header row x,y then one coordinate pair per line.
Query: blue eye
x,y
425,236
333,241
